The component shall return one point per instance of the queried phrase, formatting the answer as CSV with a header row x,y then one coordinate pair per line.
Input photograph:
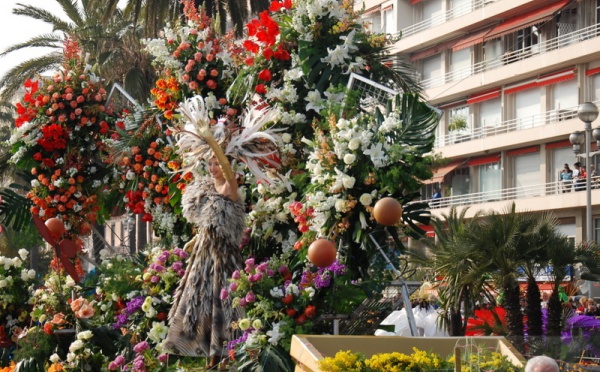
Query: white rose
x,y
54,358
85,335
286,137
70,357
31,274
348,182
69,282
75,345
365,199
3,283
354,144
340,205
23,253
349,158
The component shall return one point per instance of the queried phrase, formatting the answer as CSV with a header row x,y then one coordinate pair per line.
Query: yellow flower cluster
x,y
419,360
344,361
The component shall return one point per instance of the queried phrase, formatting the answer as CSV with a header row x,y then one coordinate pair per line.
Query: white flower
x,y
158,332
54,358
377,155
85,335
349,159
310,291
286,137
274,334
69,282
76,345
348,182
70,357
354,144
365,199
276,292
340,205
3,283
292,289
315,102
336,57
23,253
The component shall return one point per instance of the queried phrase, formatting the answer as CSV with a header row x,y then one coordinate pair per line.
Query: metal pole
x,y
588,183
412,324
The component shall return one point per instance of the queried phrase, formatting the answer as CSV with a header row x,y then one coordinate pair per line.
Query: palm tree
x,y
154,14
462,283
114,47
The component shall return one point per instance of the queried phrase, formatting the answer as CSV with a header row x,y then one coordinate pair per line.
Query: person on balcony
x,y
579,175
566,179
435,198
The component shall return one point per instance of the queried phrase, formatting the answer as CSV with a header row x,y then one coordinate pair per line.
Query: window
x,y
388,19
373,22
434,12
566,95
432,67
490,181
560,157
492,51
461,64
461,7
460,181
596,86
528,38
527,175
490,113
459,123
527,108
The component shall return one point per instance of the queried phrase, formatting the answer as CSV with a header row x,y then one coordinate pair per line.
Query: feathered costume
x,y
199,321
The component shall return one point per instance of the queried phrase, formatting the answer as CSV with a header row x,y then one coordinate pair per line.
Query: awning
x,y
432,51
520,87
441,172
556,77
489,159
413,2
558,144
519,22
372,10
473,39
389,7
593,71
523,150
484,96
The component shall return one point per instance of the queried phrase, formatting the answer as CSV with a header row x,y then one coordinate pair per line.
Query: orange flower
x,y
77,304
56,367
59,319
85,312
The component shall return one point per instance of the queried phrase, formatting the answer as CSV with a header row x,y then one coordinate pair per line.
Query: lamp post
x,y
587,112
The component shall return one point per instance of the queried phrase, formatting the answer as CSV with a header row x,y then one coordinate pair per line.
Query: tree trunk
x,y
514,317
553,327
533,311
456,324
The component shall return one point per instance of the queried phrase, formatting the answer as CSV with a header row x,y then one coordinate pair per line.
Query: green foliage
x,y
269,359
37,345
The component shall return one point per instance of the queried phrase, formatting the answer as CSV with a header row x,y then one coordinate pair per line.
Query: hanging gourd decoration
x,y
56,227
322,252
387,211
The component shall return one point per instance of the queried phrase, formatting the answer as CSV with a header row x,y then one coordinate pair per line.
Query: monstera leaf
x,y
14,209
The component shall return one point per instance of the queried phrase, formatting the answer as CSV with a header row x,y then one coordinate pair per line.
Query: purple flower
x,y
164,256
262,267
181,253
236,275
157,267
250,297
242,302
181,273
233,287
121,321
224,294
177,265
140,347
163,358
270,273
283,269
138,364
120,360
255,277
155,279
134,305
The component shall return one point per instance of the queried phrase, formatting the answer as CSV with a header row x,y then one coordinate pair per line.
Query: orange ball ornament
x,y
387,211
322,252
56,227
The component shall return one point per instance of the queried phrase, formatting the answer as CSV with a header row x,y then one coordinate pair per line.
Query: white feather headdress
x,y
248,142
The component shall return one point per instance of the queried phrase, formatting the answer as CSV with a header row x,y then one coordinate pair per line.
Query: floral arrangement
x,y
61,126
15,282
418,360
276,304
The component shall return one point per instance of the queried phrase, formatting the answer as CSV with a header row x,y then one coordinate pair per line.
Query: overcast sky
x,y
15,29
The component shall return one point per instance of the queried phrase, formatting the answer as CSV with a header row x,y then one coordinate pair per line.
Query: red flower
x,y
260,89
291,312
301,319
251,46
268,53
310,311
287,299
264,75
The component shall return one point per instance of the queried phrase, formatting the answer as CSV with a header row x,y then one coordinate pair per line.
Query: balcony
x,y
547,196
518,55
508,126
444,17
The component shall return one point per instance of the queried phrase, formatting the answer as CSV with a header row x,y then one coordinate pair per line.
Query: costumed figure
x,y
199,321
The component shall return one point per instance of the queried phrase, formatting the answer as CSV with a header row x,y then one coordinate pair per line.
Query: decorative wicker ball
x,y
387,211
56,227
322,252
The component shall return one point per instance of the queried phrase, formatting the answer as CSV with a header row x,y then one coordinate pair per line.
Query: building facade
x,y
509,76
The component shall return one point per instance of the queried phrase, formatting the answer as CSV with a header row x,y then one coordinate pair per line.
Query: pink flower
x,y
224,294
233,287
250,297
236,275
141,347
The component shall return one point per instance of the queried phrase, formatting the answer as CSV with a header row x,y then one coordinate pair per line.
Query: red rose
x,y
287,299
310,311
301,319
260,89
291,312
268,53
264,75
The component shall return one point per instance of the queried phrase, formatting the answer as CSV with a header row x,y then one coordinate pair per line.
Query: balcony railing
x,y
513,125
518,55
523,192
444,17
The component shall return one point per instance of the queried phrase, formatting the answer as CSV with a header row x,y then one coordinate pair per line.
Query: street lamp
x,y
587,112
